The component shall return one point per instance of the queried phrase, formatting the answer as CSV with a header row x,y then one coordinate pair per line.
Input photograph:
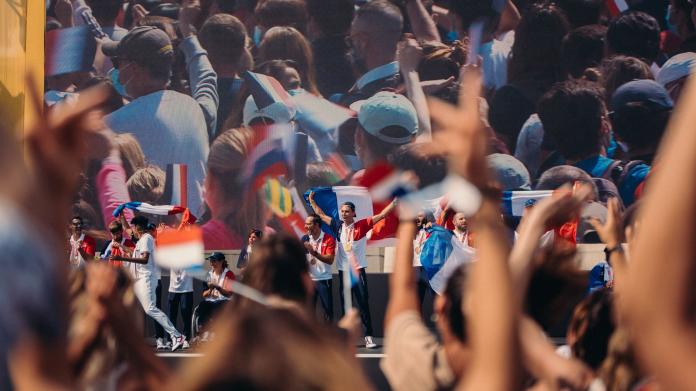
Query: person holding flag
x,y
351,256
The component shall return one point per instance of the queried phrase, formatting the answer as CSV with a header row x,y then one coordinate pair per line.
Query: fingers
x,y
596,224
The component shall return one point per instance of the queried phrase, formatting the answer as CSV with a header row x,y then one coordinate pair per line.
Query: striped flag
x,y
318,115
176,185
616,7
160,210
441,255
266,90
271,154
69,50
180,249
515,202
338,166
386,182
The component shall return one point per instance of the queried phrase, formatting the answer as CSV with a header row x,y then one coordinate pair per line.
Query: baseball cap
x,y
510,172
386,109
216,256
144,45
676,67
278,112
641,91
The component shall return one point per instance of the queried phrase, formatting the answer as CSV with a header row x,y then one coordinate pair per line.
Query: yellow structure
x,y
22,25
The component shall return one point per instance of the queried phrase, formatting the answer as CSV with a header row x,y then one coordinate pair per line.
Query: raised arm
x,y
422,23
660,283
409,57
403,294
323,216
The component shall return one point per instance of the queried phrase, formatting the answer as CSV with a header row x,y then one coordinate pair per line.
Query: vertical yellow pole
x,y
22,25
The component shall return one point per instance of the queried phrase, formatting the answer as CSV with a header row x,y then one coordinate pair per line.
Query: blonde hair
x,y
619,371
132,155
225,162
147,184
286,43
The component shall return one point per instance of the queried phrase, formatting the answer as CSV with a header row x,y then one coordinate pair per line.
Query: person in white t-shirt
x,y
143,270
219,291
180,298
321,251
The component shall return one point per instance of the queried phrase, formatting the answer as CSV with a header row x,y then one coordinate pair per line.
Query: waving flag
x,y
179,249
441,255
266,90
318,115
159,210
616,7
69,50
271,154
176,185
386,182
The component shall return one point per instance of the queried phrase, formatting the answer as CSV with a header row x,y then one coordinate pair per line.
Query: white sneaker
x,y
160,344
177,342
185,345
369,343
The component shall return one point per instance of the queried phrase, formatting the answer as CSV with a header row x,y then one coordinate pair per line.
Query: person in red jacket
x,y
82,246
119,244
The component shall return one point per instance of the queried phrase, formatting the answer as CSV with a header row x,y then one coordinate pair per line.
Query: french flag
x,y
180,249
318,115
271,154
158,210
441,255
616,7
266,90
176,184
69,50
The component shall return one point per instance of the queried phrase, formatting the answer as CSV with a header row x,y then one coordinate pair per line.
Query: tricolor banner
x,y
271,155
616,7
176,185
159,210
180,249
515,202
266,90
69,50
441,255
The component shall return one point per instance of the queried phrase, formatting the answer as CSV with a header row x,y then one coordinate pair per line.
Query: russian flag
x,y
176,184
159,210
69,50
616,7
271,154
180,249
318,115
441,255
266,90
386,182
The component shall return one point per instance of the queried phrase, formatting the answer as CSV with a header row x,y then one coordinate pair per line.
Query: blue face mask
x,y
113,76
257,36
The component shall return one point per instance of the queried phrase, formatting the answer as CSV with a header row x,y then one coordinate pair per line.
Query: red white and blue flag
x,y
266,90
159,210
616,7
271,155
69,50
176,185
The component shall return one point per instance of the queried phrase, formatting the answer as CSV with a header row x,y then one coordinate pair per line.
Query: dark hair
x,y
555,177
571,113
581,12
382,148
634,33
429,169
115,225
161,68
685,7
224,37
333,17
278,267
593,325
454,292
469,11
536,52
105,11
77,217
315,218
293,13
257,232
619,70
350,205
640,124
582,48
441,61
286,43
140,221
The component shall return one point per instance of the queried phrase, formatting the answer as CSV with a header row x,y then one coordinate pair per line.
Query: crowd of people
x,y
584,101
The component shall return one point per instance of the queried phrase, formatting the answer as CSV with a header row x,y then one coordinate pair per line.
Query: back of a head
x,y
266,349
279,267
469,11
634,33
293,13
105,11
572,113
536,52
429,169
382,20
141,222
583,48
510,173
581,12
441,61
592,325
147,184
555,177
616,71
224,37
332,17
286,43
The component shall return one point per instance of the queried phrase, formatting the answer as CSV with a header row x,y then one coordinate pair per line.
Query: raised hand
x,y
611,232
188,16
409,55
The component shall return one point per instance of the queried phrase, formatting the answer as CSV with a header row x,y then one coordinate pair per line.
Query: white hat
x,y
385,109
676,67
278,112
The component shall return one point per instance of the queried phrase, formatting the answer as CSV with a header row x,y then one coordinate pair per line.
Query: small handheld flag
x,y
160,210
180,249
69,50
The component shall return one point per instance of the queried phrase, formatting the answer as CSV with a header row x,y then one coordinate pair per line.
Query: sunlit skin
x,y
347,214
312,228
460,223
252,239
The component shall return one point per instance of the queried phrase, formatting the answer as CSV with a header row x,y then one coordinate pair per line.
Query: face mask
x,y
113,76
125,84
257,36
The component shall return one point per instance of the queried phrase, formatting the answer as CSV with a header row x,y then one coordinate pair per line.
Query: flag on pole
x,y
338,167
180,249
441,255
69,50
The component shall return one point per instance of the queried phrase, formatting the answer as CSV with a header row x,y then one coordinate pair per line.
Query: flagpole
x,y
347,297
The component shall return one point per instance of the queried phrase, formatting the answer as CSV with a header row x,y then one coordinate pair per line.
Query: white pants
x,y
144,288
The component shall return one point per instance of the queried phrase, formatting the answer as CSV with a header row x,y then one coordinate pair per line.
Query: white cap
x,y
278,112
386,109
676,67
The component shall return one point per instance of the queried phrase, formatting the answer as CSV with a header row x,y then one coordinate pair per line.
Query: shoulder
x,y
230,275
